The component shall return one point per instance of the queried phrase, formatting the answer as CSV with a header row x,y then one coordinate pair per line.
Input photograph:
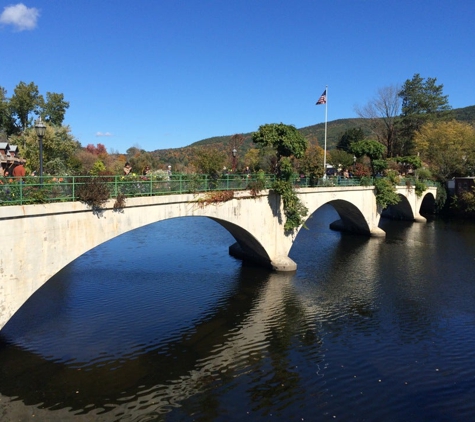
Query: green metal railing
x,y
31,190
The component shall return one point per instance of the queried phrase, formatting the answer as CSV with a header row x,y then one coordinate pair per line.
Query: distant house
x,y
4,152
463,184
13,151
9,154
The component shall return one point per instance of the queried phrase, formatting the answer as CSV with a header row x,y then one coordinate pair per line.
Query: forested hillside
x,y
178,157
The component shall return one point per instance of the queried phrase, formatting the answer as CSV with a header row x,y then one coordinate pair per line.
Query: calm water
x,y
163,325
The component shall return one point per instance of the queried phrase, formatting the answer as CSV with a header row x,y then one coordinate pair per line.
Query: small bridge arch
x,y
410,205
357,210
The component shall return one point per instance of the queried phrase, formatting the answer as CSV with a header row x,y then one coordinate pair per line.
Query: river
x,y
161,324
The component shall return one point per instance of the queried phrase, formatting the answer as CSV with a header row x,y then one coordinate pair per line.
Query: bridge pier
x,y
339,225
281,263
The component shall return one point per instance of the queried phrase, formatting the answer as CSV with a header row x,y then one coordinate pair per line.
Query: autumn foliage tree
x,y
448,148
209,160
311,164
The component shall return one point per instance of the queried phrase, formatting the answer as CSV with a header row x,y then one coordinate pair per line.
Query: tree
x,y
285,139
251,159
100,149
58,146
25,101
210,161
354,134
372,149
6,121
54,109
381,115
448,148
311,164
286,142
422,101
98,168
341,158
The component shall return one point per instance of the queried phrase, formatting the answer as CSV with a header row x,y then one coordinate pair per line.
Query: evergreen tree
x,y
422,101
349,136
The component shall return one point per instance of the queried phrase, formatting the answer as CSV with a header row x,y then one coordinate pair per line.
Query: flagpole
x,y
324,100
325,149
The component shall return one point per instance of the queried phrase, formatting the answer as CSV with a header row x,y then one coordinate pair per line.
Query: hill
x,y
315,134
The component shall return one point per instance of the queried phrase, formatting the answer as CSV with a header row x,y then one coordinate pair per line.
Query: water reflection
x,y
366,329
250,333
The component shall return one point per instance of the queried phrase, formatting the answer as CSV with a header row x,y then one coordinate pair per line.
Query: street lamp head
x,y
40,128
354,158
234,152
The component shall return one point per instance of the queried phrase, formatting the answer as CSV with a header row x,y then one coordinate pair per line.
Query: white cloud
x,y
103,134
20,16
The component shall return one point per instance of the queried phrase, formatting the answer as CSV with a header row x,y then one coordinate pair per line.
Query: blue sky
x,y
164,74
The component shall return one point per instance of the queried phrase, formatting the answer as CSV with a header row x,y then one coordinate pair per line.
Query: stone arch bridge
x,y
40,240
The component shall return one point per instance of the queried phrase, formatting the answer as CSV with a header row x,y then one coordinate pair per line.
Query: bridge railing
x,y
31,190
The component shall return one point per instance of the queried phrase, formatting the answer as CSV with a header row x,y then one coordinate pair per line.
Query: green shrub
x,y
420,187
366,181
385,193
294,210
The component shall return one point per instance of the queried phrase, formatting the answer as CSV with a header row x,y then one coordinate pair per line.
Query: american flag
x,y
323,98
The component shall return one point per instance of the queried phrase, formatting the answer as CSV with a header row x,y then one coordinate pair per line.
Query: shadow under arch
x,y
400,211
428,204
247,248
351,218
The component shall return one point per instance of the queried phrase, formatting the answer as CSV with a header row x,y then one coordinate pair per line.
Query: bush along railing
x,y
94,192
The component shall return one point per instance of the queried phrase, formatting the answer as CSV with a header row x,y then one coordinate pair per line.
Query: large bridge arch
x,y
45,238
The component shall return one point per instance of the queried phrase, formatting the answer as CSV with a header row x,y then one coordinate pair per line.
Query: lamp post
x,y
40,129
354,164
234,159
